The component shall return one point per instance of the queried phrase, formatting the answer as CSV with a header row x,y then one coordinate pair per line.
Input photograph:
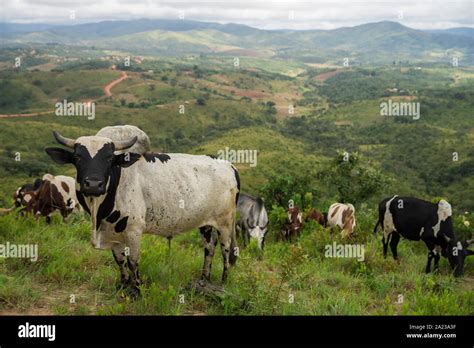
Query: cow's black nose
x,y
93,184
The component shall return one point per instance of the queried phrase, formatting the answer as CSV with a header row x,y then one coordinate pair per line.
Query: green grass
x,y
258,284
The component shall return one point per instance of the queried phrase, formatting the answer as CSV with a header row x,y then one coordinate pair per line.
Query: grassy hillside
x,y
67,265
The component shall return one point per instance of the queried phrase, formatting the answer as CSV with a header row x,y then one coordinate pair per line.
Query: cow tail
x,y
233,245
376,225
234,251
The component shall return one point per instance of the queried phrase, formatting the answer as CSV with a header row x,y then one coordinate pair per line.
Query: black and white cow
x,y
417,219
165,194
253,221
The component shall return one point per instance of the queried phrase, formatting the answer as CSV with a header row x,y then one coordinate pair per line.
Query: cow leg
x,y
64,214
238,230
225,249
246,238
292,236
436,259
431,255
428,265
393,244
244,233
209,242
118,250
385,240
225,238
132,261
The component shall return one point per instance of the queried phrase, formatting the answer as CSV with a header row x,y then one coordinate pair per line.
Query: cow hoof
x,y
122,285
134,293
203,282
204,279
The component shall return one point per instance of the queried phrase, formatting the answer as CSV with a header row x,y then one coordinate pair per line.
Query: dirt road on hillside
x,y
107,91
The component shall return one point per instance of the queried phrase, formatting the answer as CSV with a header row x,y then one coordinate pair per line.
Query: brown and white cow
x,y
56,193
23,194
342,216
294,224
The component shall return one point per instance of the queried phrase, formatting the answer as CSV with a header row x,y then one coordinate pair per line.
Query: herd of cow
x,y
128,190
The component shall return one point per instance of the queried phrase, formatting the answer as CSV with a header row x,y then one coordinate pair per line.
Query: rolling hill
x,y
381,42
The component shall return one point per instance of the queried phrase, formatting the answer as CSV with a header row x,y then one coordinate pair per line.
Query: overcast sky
x,y
295,14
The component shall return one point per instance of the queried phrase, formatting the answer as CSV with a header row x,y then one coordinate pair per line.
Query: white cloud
x,y
258,13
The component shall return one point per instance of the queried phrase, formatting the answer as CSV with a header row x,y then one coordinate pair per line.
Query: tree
x,y
280,189
201,101
353,177
270,108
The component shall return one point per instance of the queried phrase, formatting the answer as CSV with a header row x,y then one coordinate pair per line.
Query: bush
x,y
201,101
353,177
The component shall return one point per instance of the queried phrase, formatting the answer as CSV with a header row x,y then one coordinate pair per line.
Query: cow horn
x,y
63,140
122,145
470,241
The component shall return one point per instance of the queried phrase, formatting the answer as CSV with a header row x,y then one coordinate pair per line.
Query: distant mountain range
x,y
380,42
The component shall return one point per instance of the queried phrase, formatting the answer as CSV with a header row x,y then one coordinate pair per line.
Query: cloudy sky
x,y
294,14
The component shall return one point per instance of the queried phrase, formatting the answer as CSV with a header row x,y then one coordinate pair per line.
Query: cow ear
x,y
60,155
125,160
38,183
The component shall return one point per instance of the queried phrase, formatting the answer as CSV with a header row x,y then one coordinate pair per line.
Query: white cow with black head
x,y
165,194
416,219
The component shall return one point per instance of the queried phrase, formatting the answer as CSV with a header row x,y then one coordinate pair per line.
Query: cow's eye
x,y
77,157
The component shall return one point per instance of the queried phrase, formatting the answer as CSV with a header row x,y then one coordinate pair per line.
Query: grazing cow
x,y
166,194
294,225
56,193
23,194
317,216
417,219
253,220
342,216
